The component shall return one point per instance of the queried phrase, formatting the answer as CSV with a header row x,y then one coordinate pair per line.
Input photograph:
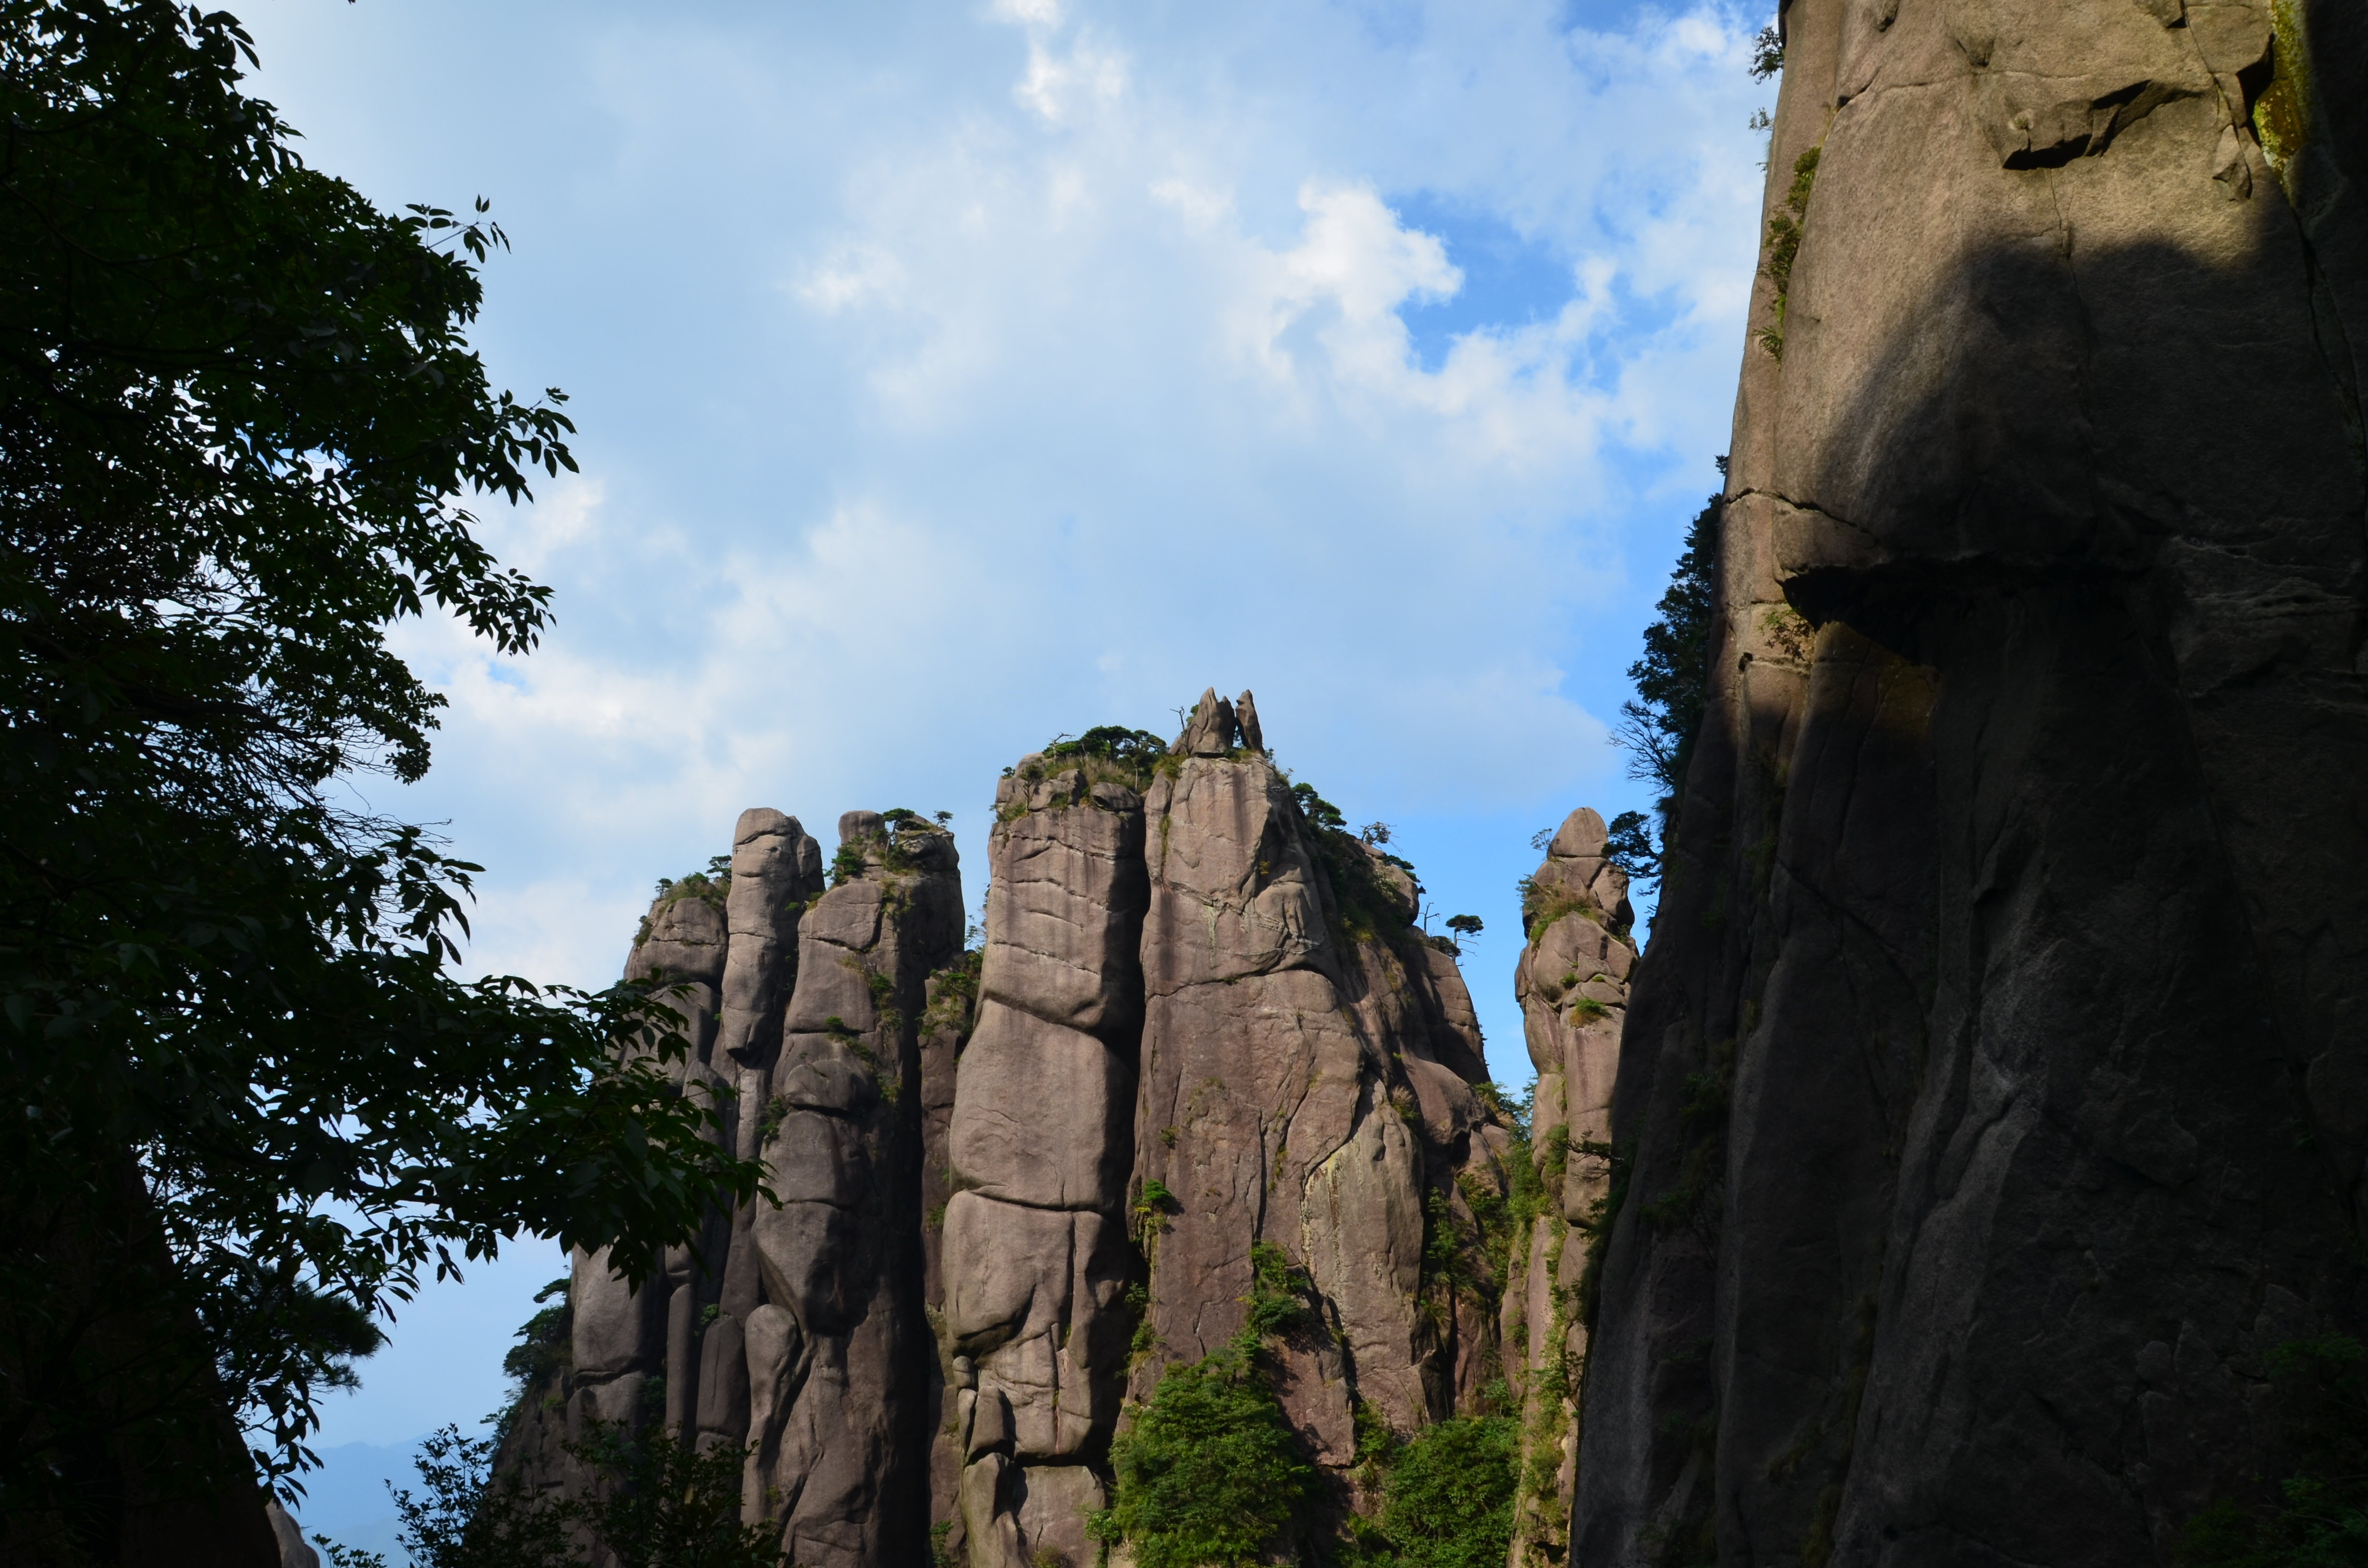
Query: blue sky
x,y
951,376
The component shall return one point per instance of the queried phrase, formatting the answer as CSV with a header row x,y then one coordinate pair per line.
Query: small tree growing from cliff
x,y
1658,726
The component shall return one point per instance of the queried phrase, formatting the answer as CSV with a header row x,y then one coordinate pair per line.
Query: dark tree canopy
x,y
1659,725
249,1101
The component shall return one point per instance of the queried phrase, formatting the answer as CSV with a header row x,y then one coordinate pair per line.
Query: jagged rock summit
x,y
1020,1181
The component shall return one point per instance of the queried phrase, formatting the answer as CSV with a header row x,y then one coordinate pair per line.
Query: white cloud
x,y
949,381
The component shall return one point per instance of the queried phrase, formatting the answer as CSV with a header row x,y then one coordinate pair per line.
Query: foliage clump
x,y
711,885
1447,1497
250,1100
1129,755
953,997
1659,725
1365,903
1107,754
1785,232
1209,1473
659,1503
545,1347
2318,1517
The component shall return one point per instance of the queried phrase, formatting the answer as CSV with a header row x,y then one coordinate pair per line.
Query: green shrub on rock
x,y
1448,1501
1211,1472
2318,1516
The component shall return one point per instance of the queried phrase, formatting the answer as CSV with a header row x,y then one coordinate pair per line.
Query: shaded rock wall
x,y
1993,1087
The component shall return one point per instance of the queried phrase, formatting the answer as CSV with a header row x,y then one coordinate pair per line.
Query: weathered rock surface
x,y
796,1327
1571,981
1993,1088
1013,1185
1037,1258
841,1446
1293,1092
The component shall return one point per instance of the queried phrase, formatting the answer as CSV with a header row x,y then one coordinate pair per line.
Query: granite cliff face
x,y
799,1327
1306,1082
1994,1096
1016,1183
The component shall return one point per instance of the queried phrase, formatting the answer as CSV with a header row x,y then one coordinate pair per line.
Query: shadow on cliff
x,y
1991,1088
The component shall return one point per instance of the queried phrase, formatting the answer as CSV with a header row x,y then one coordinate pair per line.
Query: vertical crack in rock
x,y
842,1442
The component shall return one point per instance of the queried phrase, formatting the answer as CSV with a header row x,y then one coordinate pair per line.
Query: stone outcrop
x,y
1572,983
1036,1255
1297,1090
838,1350
1992,1100
1014,1184
797,1327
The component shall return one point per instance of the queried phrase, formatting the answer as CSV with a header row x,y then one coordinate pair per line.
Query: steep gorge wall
x,y
1993,1089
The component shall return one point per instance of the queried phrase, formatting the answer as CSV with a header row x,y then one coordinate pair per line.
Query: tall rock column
x,y
1293,1093
776,872
1994,1078
626,1345
1036,1256
1572,983
837,1351
620,1335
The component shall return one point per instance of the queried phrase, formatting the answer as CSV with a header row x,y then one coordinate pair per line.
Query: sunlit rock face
x,y
1572,983
1994,1097
1016,1183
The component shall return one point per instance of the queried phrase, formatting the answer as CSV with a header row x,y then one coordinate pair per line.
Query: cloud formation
x,y
952,379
